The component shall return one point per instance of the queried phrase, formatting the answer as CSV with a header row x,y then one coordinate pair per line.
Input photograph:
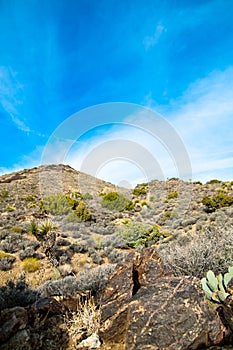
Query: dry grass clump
x,y
194,255
30,264
85,320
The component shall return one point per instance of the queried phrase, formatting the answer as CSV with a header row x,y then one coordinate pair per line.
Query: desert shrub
x,y
30,264
12,243
28,252
72,217
16,229
168,215
30,198
46,227
113,241
33,228
216,202
82,212
92,280
116,256
140,189
86,318
56,204
116,201
172,195
213,181
4,194
10,208
16,294
62,242
6,261
196,254
63,256
137,234
80,247
87,196
197,182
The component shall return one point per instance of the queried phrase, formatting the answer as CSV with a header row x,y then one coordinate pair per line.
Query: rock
x,y
11,321
46,306
19,341
172,314
91,342
140,269
227,309
146,307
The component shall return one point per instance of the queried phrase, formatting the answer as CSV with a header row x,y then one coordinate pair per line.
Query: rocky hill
x,y
73,245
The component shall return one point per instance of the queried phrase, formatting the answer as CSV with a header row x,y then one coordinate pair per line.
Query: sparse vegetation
x,y
86,318
172,195
30,264
116,201
16,229
196,254
168,215
213,181
6,261
136,234
3,195
82,212
216,202
140,189
56,204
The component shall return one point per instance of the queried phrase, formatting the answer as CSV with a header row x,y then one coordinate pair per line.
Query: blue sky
x,y
174,57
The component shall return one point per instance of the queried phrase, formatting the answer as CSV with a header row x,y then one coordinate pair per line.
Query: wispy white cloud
x,y
203,118
150,41
11,97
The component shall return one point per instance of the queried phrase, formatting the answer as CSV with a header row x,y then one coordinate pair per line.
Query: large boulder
x,y
145,307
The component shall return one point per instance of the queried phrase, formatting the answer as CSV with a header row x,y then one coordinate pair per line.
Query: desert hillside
x,y
64,234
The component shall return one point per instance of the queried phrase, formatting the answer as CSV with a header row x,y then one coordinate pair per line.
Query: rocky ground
x,y
111,260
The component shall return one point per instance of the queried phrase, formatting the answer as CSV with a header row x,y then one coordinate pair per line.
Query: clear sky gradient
x,y
58,57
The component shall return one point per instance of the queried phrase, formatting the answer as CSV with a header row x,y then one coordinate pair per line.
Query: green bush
x,y
197,182
213,181
140,189
137,234
216,202
60,204
83,212
116,201
172,195
56,204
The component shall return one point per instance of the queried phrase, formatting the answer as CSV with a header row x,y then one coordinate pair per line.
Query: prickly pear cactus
x,y
216,287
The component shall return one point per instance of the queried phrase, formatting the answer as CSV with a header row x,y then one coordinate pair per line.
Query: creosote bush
x,y
213,181
56,204
137,234
172,195
140,189
116,201
60,204
216,202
